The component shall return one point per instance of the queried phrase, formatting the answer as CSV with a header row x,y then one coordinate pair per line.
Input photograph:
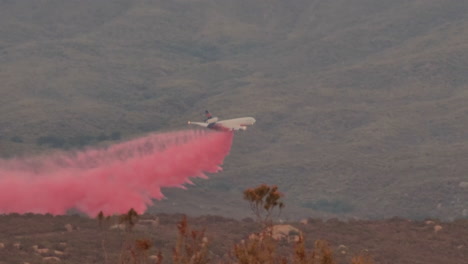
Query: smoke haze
x,y
113,179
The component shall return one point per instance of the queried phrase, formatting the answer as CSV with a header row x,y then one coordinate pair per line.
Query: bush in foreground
x,y
192,246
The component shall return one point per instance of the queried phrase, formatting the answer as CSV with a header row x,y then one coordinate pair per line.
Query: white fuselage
x,y
226,125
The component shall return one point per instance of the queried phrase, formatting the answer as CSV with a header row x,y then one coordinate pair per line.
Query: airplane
x,y
212,122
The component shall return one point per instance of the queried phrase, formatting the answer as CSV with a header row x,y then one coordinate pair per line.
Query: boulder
x,y
437,228
342,249
286,232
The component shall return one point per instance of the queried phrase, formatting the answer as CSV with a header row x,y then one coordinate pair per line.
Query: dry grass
x,y
398,240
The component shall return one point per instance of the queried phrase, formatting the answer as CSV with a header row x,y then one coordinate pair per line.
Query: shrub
x,y
115,135
51,141
191,246
263,200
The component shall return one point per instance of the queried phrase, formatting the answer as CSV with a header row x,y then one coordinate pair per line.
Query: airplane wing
x,y
203,124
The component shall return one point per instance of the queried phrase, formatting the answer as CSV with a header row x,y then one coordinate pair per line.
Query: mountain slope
x,y
360,105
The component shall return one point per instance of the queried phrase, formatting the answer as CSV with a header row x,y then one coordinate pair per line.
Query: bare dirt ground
x,y
77,239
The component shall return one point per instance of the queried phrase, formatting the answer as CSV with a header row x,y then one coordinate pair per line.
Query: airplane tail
x,y
209,118
208,115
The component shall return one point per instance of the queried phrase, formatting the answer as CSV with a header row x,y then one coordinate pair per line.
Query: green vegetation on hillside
x,y
334,206
358,100
75,141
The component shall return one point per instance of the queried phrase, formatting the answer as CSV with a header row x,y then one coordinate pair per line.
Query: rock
x,y
295,239
2,245
304,221
17,245
42,250
51,259
286,232
150,222
59,253
69,227
253,236
463,184
118,227
342,249
437,228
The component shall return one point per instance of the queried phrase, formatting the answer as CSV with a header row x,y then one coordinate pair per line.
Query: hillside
x,y
361,105
75,239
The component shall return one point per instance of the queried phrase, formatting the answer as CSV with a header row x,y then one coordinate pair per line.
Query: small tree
x,y
129,219
134,250
104,222
263,201
321,253
191,246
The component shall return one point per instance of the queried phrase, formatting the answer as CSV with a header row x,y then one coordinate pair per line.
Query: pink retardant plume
x,y
113,179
